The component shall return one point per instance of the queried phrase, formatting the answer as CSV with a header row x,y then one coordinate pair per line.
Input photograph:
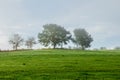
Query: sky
x,y
26,17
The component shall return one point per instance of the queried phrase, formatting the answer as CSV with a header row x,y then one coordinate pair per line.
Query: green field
x,y
60,65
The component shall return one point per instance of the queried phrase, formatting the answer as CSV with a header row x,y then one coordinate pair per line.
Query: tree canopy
x,y
82,38
54,35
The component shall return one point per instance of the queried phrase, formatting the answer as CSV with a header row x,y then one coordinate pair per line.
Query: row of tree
x,y
55,35
16,40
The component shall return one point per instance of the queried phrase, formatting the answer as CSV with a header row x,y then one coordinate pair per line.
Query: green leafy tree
x,y
82,38
54,35
117,48
16,40
103,48
30,42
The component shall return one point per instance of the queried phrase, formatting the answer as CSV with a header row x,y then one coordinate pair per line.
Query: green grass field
x,y
60,65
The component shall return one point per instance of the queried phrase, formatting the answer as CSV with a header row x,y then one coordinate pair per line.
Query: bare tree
x,y
30,42
16,40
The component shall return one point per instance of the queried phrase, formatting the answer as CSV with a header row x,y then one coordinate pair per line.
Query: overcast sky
x,y
101,18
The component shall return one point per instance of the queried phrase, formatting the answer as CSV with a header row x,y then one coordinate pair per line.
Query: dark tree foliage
x,y
117,48
82,38
54,35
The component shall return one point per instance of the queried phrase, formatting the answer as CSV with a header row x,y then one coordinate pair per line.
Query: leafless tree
x,y
30,42
16,40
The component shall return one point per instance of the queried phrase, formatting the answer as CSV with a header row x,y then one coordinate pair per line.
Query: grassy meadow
x,y
60,65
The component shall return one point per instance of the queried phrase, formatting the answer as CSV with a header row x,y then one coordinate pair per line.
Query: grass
x,y
60,65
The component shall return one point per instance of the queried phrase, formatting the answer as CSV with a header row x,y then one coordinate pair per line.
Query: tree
x,y
30,42
54,35
82,38
16,40
103,48
117,48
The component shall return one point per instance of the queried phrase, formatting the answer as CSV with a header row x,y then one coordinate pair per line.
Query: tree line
x,y
55,35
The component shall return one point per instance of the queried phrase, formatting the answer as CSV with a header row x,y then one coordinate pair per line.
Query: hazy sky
x,y
101,18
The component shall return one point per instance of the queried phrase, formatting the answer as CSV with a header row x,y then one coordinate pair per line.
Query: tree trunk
x,y
54,46
15,47
61,45
83,48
